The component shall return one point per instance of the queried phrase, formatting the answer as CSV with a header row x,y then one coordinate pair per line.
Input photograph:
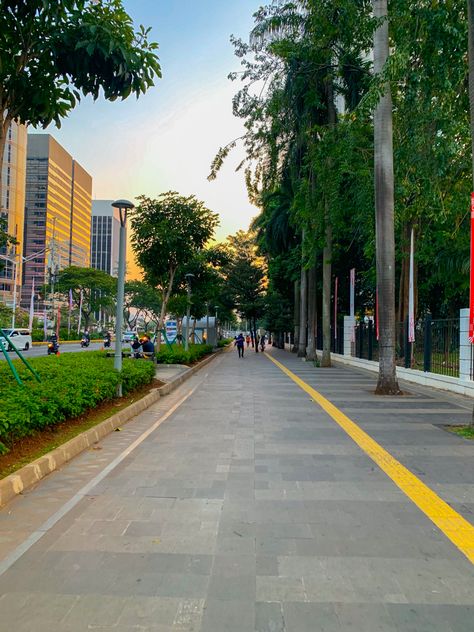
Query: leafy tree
x,y
168,233
141,301
245,279
97,287
51,52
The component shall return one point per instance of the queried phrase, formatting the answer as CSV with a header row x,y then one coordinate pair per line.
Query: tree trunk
x,y
296,332
312,315
327,277
327,251
255,334
470,20
303,312
384,212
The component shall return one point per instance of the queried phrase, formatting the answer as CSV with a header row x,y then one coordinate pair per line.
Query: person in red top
x,y
247,340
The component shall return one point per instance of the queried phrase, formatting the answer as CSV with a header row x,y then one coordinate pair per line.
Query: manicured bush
x,y
224,342
71,384
177,354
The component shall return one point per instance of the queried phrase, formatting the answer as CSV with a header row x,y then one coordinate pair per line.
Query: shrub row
x,y
71,384
177,354
224,342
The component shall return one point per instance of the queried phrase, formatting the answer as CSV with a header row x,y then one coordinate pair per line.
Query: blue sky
x,y
167,139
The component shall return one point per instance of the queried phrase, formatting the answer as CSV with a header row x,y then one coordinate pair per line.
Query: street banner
x,y
352,302
471,287
336,283
69,314
411,293
171,327
45,324
352,293
32,306
58,322
80,314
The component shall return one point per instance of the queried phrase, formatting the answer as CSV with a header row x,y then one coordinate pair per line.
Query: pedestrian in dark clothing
x,y
239,343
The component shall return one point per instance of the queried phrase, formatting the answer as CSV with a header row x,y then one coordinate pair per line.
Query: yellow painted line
x,y
452,524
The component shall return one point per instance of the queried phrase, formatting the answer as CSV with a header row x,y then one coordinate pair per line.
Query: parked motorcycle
x,y
85,342
53,347
106,342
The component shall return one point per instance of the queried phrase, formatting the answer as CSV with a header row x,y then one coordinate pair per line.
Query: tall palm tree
x,y
384,212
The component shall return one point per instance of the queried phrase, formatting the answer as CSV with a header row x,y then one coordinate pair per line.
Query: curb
x,y
30,474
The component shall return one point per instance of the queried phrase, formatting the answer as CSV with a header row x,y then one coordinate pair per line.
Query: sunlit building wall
x,y
57,212
12,206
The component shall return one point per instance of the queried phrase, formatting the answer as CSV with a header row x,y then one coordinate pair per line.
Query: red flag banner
x,y
471,286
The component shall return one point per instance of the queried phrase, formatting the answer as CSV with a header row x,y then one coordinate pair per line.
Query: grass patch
x,y
462,431
41,442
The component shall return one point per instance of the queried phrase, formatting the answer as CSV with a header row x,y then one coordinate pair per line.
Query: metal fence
x,y
435,349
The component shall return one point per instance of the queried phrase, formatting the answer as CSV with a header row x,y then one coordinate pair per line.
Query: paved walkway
x,y
248,509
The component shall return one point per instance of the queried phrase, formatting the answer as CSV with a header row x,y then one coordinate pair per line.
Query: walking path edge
x,y
30,474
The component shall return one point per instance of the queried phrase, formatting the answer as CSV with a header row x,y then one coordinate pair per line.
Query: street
x,y
41,350
239,503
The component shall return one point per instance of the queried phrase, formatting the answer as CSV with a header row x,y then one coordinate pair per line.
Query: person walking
x,y
239,343
247,340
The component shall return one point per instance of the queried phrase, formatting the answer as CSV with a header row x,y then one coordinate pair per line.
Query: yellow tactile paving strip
x,y
452,524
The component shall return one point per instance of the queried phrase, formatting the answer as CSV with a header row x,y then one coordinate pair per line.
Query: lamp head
x,y
123,206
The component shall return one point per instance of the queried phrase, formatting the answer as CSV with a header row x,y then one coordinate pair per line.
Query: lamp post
x,y
216,307
189,276
123,206
207,322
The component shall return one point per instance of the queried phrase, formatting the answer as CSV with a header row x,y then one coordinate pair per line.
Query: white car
x,y
129,336
21,338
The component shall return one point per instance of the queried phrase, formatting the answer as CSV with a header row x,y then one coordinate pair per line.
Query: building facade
x,y
105,233
57,213
12,208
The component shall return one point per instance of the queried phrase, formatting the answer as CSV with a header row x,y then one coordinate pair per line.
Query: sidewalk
x,y
250,510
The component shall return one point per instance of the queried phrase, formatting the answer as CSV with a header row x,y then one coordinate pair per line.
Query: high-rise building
x,y
105,235
57,212
12,207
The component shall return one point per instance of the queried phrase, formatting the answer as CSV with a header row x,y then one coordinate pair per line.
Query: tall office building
x,y
105,236
57,212
12,207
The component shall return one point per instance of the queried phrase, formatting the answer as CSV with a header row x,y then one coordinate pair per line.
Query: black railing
x,y
435,349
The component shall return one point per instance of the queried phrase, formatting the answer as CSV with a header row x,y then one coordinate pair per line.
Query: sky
x,y
167,139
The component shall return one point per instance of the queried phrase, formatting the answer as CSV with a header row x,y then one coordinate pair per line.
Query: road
x,y
40,350
246,502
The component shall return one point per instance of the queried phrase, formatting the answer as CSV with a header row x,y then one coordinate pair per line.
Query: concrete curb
x,y
30,474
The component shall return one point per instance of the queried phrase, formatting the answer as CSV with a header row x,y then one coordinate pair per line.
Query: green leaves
x,y
71,384
50,52
168,232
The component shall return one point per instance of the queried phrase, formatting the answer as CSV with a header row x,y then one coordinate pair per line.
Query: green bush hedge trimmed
x,y
71,384
224,342
178,355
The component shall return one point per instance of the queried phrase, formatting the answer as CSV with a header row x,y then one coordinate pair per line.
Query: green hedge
x,y
224,342
71,384
178,355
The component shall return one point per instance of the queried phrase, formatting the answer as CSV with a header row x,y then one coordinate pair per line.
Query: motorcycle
x,y
106,342
53,348
85,342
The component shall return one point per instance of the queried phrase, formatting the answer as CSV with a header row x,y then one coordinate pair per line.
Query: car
x,y
21,338
129,336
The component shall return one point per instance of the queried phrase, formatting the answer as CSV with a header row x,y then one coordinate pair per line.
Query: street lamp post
x,y
189,277
207,322
216,307
123,206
